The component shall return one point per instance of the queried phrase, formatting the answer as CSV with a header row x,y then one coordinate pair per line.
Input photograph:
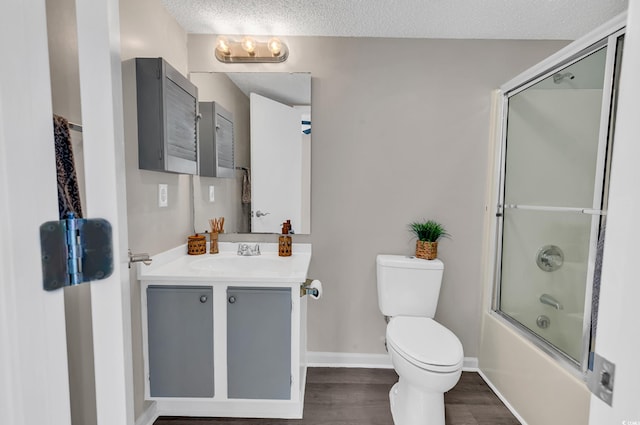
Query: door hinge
x,y
74,251
600,377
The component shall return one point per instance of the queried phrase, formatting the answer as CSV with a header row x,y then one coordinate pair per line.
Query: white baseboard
x,y
364,360
149,416
470,364
501,397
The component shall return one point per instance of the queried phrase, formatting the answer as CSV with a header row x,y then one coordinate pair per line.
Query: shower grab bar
x,y
589,211
549,300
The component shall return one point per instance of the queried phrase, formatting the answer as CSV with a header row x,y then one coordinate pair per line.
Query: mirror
x,y
271,114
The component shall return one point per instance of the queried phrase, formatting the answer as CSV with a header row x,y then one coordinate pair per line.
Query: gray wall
x,y
147,30
400,132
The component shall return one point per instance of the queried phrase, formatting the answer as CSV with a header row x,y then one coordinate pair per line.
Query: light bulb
x,y
275,46
222,45
249,45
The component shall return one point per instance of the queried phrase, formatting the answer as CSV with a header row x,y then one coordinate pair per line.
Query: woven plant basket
x,y
426,250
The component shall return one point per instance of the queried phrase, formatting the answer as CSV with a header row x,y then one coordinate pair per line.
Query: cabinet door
x,y
216,141
167,118
180,323
259,343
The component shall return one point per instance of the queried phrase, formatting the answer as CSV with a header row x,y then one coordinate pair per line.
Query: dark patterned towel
x,y
68,193
246,186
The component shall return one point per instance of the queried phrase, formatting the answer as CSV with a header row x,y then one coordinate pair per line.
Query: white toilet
x,y
427,356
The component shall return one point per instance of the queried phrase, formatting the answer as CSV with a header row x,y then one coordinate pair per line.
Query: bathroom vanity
x,y
224,335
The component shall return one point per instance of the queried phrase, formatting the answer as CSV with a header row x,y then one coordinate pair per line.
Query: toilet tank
x,y
408,286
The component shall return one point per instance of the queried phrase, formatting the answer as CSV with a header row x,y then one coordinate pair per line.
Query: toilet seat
x,y
425,343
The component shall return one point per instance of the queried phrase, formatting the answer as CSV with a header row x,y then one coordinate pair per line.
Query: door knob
x,y
261,214
203,299
232,299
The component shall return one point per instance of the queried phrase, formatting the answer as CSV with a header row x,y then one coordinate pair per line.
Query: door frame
x,y
100,66
618,339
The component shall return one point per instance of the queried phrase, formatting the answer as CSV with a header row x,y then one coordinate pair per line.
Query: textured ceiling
x,y
493,19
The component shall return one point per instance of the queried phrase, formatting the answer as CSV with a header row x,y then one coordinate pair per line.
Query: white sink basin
x,y
228,266
230,263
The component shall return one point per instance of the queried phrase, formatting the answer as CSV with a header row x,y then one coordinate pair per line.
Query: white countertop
x,y
177,266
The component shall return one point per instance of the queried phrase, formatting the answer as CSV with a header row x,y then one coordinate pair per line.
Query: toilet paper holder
x,y
311,287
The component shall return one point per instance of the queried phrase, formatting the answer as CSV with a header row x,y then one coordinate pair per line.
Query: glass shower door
x,y
553,181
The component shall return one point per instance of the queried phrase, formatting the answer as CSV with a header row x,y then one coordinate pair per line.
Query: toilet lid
x,y
425,343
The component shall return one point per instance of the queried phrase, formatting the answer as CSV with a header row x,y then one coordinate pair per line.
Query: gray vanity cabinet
x,y
259,343
180,338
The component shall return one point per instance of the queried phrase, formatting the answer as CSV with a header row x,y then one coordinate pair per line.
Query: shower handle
x,y
550,258
549,300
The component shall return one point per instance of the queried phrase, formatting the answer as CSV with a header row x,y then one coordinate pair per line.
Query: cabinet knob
x,y
203,299
232,299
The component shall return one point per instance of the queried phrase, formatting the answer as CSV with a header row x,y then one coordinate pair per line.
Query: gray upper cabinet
x,y
167,118
216,141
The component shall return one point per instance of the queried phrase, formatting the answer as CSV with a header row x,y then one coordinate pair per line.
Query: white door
x,y
33,354
618,339
33,361
276,151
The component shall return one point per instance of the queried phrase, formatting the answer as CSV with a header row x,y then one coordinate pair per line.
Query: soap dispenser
x,y
284,243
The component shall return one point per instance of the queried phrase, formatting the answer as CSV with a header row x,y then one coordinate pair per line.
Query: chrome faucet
x,y
246,250
549,300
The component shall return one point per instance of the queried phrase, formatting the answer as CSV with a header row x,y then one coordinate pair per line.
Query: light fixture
x,y
222,45
249,45
275,46
250,50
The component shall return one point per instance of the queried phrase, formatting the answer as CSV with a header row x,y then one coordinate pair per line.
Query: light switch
x,y
212,193
163,195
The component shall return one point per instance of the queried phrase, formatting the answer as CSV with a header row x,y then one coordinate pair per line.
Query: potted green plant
x,y
428,233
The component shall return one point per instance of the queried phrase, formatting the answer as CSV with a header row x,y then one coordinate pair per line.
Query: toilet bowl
x,y
427,356
428,359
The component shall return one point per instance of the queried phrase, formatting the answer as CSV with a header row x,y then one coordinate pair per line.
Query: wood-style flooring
x,y
340,396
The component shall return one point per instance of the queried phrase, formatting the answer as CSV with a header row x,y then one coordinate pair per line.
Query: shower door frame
x,y
604,36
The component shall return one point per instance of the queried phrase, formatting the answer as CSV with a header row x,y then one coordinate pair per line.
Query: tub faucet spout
x,y
549,300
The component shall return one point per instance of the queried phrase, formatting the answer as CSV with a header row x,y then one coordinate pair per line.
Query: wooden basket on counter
x,y
196,245
284,246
